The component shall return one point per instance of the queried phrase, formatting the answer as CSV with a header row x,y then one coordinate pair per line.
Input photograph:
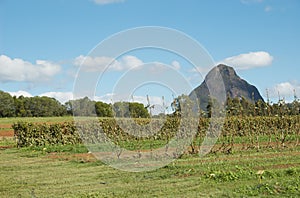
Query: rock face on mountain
x,y
234,86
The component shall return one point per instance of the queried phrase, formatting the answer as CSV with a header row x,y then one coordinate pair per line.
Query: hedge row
x,y
247,130
33,134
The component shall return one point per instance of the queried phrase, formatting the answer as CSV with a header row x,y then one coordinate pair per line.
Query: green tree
x,y
103,109
137,110
127,109
81,107
20,108
7,105
38,107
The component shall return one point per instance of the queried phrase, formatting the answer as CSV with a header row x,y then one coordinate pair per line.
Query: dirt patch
x,y
6,147
6,133
5,126
84,157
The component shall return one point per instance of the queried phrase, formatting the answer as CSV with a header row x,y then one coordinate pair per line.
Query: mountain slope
x,y
234,86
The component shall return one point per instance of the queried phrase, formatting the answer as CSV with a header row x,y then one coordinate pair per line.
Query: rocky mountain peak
x,y
235,86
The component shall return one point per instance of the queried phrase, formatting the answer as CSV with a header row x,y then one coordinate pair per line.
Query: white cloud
x,y
20,93
128,62
176,65
93,64
24,71
62,97
107,98
104,2
249,60
285,90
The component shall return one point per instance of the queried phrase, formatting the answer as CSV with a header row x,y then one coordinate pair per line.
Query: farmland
x,y
70,171
128,98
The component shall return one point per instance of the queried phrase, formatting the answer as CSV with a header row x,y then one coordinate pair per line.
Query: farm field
x,y
74,173
162,99
70,171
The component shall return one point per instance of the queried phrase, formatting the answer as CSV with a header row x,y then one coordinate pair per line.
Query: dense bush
x,y
31,134
246,131
254,132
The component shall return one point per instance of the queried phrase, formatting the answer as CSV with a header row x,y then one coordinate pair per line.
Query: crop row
x,y
233,132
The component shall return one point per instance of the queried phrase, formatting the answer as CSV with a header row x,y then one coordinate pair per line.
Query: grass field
x,y
70,171
74,173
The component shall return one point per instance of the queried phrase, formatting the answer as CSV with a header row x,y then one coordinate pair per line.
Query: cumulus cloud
x,y
249,60
93,64
128,62
285,90
104,2
62,97
24,71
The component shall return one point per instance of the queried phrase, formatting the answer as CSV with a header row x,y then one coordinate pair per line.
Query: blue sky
x,y
42,42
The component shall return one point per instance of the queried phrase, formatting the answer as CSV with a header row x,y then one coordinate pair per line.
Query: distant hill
x,y
234,86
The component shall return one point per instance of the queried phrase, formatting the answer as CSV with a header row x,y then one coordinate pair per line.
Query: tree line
x,y
241,107
87,107
43,106
12,106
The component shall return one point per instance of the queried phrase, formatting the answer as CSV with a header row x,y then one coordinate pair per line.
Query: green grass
x,y
63,171
67,171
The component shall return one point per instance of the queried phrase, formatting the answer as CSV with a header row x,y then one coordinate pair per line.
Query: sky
x,y
43,44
